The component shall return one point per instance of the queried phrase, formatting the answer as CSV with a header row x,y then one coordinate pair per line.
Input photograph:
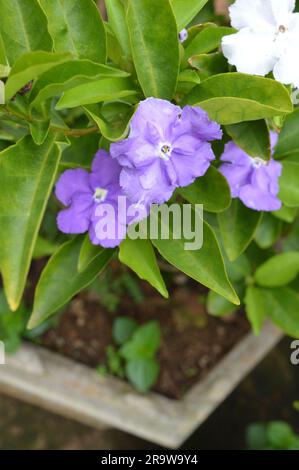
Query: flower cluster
x,y
252,180
267,39
167,147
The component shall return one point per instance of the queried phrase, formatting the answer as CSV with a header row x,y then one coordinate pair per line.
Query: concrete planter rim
x,y
63,386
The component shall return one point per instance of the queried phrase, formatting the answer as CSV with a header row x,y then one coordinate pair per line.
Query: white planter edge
x,y
66,387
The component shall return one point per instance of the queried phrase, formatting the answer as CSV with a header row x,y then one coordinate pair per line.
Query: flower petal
x,y
70,183
105,170
250,52
76,218
286,69
258,15
141,187
202,126
192,164
257,199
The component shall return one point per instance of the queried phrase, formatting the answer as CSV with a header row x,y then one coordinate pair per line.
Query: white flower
x,y
268,39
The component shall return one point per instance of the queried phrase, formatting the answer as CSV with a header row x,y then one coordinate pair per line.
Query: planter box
x,y
63,386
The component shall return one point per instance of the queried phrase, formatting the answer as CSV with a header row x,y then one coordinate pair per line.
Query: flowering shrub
x,y
145,109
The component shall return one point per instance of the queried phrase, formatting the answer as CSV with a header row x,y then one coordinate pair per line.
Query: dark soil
x,y
192,341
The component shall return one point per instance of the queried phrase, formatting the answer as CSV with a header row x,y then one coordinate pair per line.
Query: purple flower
x,y
167,147
83,193
252,180
183,35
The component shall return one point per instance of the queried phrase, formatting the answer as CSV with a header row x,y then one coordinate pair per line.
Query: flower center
x,y
165,152
282,28
100,195
258,162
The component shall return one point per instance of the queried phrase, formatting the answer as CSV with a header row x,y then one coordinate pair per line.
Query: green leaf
x,y
142,373
205,265
282,306
112,119
253,137
144,344
238,226
288,142
280,435
88,253
208,64
109,89
268,231
289,184
69,75
287,214
44,247
279,270
218,306
39,130
155,46
76,27
61,280
207,40
117,22
211,190
123,329
23,28
29,67
186,10
256,308
139,255
235,97
256,436
27,174
239,269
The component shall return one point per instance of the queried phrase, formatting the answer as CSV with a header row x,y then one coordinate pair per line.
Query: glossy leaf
x,y
69,75
39,130
76,27
186,10
218,306
155,47
253,137
27,174
256,309
235,97
23,28
117,22
207,40
88,253
113,119
289,184
283,309
29,67
142,373
205,265
268,231
139,255
61,280
211,190
288,142
208,64
279,270
238,226
109,89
